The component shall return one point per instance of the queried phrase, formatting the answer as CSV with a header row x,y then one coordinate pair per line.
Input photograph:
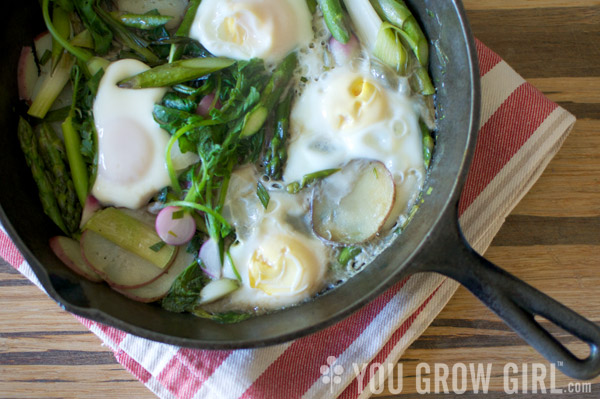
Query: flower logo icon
x,y
331,372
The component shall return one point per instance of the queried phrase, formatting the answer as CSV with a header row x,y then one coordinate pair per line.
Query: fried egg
x,y
245,29
347,113
279,260
131,145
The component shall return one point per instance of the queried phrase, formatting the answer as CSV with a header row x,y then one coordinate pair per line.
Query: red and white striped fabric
x,y
520,132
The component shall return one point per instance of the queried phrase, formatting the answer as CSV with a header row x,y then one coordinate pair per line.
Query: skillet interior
x,y
23,218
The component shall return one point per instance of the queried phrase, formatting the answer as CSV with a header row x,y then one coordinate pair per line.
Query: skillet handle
x,y
517,303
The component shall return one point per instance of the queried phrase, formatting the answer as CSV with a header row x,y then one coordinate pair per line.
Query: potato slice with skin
x,y
161,286
117,266
68,251
351,206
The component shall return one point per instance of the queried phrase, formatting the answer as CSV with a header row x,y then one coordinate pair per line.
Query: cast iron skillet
x,y
432,242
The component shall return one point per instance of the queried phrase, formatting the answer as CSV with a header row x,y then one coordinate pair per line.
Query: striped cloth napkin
x,y
520,132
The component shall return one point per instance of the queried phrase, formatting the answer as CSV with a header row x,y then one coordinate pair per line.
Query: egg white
x,y
131,145
245,29
279,260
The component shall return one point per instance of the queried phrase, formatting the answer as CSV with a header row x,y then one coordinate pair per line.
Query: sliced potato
x,y
69,252
119,267
161,286
352,205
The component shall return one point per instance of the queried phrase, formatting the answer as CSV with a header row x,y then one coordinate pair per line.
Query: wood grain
x,y
552,238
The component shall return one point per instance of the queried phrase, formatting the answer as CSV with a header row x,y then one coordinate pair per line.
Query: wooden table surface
x,y
551,239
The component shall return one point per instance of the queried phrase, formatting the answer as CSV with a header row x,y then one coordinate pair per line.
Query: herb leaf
x,y
263,194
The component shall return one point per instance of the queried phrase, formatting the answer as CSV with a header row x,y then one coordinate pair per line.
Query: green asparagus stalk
x,y
428,144
420,82
145,21
176,72
256,118
53,153
35,163
296,187
277,152
335,20
72,138
184,30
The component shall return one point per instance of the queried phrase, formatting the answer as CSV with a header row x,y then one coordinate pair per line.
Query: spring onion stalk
x,y
51,87
397,13
380,37
61,21
366,21
389,48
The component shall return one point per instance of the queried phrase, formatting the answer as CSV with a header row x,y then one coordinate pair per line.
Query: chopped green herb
x,y
177,215
347,254
158,246
263,194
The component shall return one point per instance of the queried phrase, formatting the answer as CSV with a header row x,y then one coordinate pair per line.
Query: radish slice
x,y
343,53
217,289
119,267
27,74
211,258
175,226
69,252
352,206
160,287
90,207
205,105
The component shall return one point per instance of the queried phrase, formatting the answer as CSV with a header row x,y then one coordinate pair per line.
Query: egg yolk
x,y
283,265
354,102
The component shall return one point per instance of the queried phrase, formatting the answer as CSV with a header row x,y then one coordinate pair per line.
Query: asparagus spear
x,y
256,118
277,152
334,19
428,144
53,154
35,163
296,187
72,138
176,72
145,21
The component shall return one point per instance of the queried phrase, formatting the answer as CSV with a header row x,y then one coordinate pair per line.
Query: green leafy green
x,y
185,291
101,34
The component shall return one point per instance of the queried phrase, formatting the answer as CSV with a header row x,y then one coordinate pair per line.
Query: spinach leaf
x,y
185,291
